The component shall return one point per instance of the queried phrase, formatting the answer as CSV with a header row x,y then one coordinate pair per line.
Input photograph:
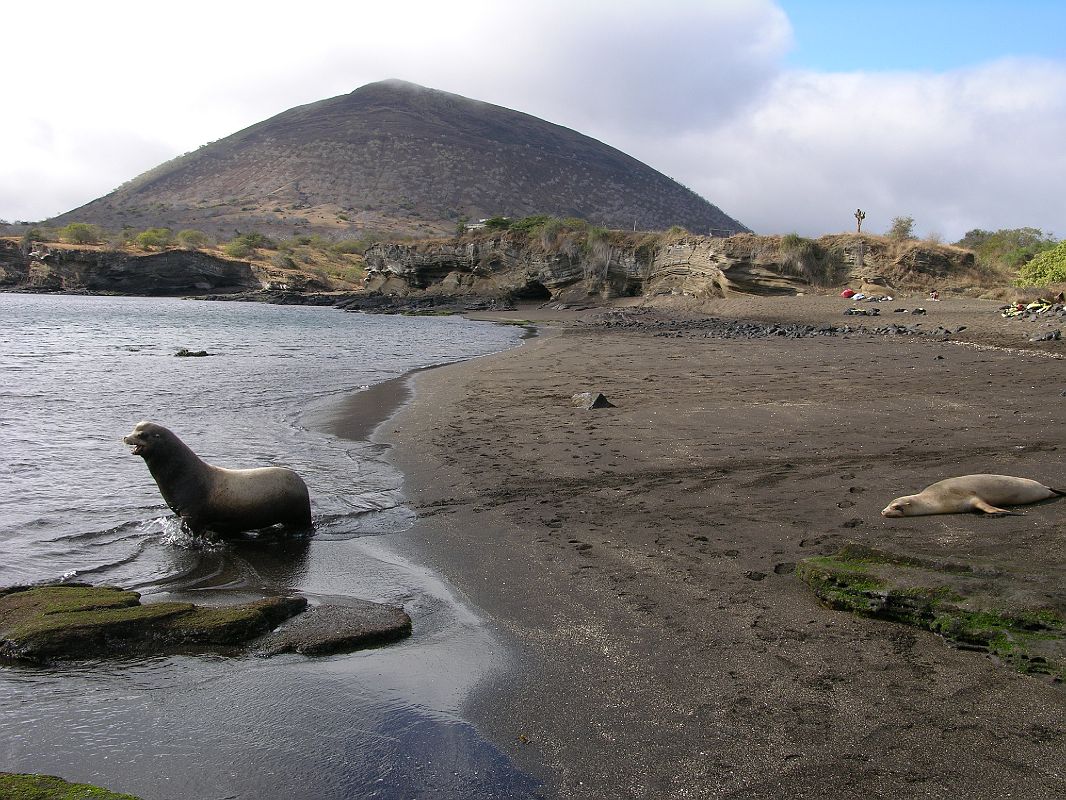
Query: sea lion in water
x,y
970,493
222,500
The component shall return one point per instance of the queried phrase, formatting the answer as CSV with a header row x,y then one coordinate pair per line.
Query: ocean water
x,y
76,373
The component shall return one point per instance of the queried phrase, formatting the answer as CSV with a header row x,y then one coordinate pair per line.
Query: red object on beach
x,y
848,293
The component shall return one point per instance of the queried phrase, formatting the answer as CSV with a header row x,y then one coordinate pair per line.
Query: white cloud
x,y
965,149
696,89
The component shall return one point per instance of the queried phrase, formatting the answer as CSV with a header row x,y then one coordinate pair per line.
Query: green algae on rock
x,y
82,621
15,786
950,599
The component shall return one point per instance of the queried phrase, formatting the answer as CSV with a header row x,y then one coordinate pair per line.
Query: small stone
x,y
590,400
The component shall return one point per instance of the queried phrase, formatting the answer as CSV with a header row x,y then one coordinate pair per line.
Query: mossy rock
x,y
15,786
944,598
81,621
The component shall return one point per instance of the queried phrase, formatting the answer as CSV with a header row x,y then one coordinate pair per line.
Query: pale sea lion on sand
x,y
222,500
970,493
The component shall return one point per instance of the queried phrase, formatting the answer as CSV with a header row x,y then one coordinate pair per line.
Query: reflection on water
x,y
75,375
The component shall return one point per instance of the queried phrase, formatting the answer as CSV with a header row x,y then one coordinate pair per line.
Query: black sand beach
x,y
640,560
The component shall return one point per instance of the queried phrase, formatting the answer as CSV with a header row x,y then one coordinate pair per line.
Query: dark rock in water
x,y
81,621
183,353
591,400
43,787
335,629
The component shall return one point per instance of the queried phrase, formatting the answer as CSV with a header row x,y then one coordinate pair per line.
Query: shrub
x,y
796,244
1047,267
901,229
245,244
154,238
192,239
349,246
529,224
238,248
81,233
1006,248
549,232
282,261
257,240
31,236
497,223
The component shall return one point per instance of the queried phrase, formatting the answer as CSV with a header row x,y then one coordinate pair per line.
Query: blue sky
x,y
785,114
834,35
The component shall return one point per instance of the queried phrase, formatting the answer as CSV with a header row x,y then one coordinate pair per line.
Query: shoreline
x,y
639,562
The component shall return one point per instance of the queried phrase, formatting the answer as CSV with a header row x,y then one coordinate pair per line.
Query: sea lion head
x,y
900,507
147,438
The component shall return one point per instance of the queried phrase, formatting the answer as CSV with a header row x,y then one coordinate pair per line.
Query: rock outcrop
x,y
616,264
46,268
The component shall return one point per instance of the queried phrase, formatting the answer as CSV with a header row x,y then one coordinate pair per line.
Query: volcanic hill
x,y
395,157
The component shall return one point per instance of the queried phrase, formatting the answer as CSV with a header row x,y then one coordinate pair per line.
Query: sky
x,y
788,115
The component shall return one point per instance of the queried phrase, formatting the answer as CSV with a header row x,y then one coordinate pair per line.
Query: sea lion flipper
x,y
980,505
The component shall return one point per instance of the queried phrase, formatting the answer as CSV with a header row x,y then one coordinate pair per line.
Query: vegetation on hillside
x,y
808,259
1046,268
1006,249
901,229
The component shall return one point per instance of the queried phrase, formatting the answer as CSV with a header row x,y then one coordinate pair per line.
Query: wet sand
x,y
639,559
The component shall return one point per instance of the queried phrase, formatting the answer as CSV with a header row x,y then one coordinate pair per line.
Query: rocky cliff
x,y
615,264
172,272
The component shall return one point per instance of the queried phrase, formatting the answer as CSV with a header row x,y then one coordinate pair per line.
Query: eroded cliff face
x,y
173,272
654,267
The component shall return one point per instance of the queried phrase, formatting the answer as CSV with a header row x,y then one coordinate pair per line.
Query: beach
x,y
639,560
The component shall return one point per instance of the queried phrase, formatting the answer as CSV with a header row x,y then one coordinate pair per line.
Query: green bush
x,y
1007,248
349,246
497,223
245,244
192,239
238,248
257,240
1047,267
793,243
901,229
154,238
530,224
81,233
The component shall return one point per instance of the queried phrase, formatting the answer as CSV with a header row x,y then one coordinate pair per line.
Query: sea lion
x,y
970,493
214,498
